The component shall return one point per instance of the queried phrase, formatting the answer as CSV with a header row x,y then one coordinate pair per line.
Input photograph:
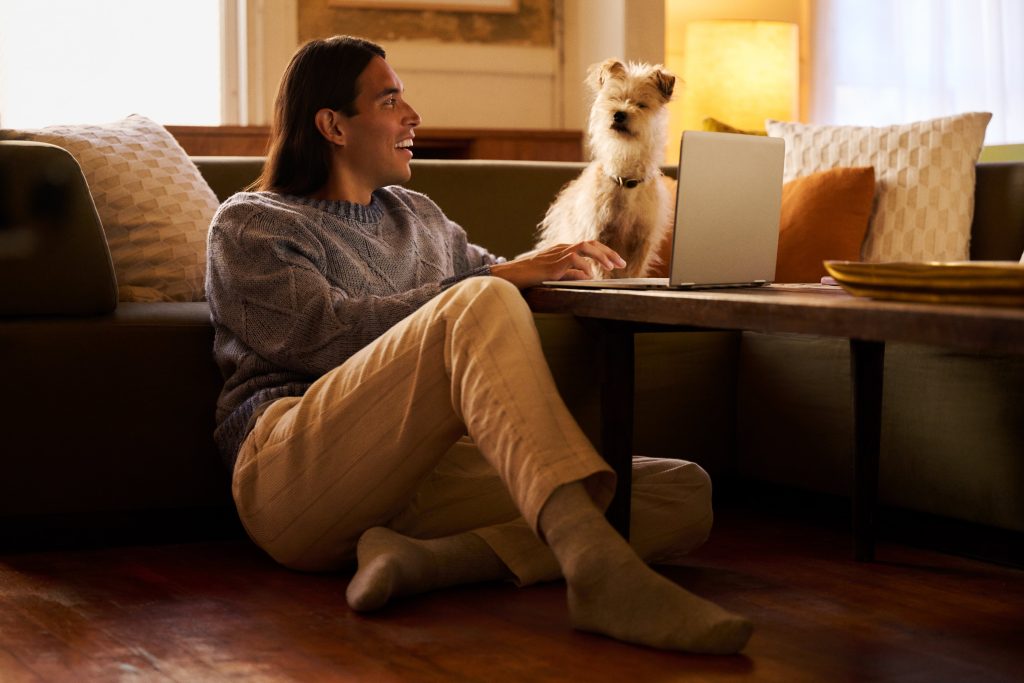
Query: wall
x,y
522,70
462,69
271,37
595,30
486,70
532,24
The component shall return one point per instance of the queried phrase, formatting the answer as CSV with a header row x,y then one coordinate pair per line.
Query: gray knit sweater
x,y
296,286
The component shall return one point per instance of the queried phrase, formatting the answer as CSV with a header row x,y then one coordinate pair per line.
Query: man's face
x,y
378,139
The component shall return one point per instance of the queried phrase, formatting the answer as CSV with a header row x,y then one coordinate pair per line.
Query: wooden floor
x,y
222,611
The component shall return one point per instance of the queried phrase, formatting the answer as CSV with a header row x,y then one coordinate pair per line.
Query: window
x,y
880,62
68,61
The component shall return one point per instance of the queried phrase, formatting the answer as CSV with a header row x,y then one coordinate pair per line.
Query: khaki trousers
x,y
371,444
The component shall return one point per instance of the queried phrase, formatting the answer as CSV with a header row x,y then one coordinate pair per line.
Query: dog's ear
x,y
599,73
665,82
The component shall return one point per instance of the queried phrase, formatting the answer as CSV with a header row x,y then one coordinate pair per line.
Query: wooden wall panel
x,y
431,143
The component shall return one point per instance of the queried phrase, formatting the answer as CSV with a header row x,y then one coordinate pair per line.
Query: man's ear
x,y
328,122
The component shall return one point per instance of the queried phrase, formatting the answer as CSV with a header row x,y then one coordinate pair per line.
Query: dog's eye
x,y
641,105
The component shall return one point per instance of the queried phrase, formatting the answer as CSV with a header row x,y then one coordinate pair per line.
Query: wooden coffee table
x,y
819,310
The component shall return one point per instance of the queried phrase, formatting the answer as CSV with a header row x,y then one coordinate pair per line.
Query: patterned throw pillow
x,y
924,173
153,202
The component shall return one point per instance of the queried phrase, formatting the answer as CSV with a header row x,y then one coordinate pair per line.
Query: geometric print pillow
x,y
154,204
924,175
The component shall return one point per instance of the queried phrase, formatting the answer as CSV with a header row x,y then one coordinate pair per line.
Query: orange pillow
x,y
824,216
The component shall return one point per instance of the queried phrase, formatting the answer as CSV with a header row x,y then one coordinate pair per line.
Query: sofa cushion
x,y
824,216
498,203
111,413
924,173
952,425
153,203
228,175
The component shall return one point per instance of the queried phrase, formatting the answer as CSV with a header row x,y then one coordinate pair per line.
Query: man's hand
x,y
560,262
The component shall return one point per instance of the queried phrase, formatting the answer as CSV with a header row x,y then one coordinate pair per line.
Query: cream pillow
x,y
153,202
924,174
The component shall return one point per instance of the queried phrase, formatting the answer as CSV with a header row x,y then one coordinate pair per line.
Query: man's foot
x,y
635,604
392,565
611,591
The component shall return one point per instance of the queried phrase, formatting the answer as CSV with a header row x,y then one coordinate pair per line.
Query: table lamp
x,y
740,73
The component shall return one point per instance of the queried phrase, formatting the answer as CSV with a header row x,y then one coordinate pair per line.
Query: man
x,y
361,336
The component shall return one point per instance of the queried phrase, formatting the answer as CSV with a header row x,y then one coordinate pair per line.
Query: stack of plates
x,y
987,283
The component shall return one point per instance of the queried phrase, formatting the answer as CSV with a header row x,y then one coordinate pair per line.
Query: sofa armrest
x,y
54,258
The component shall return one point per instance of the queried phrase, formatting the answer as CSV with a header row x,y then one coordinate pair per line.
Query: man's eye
x,y
391,101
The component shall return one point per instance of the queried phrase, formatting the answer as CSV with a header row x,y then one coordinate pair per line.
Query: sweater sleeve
x,y
478,262
265,287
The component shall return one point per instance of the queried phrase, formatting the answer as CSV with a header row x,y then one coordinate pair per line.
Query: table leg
x,y
617,418
867,362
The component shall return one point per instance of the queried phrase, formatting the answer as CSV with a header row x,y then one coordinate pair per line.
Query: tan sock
x,y
392,565
611,591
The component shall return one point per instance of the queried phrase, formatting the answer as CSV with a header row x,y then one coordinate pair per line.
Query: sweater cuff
x,y
476,272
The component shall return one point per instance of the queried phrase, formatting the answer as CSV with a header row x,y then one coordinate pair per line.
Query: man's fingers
x,y
575,274
600,253
579,257
572,260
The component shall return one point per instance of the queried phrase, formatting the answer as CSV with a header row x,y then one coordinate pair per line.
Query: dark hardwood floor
x,y
220,610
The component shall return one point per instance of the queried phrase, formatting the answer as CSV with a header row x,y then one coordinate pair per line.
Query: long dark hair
x,y
322,74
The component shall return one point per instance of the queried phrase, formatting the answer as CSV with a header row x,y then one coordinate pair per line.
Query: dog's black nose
x,y
620,116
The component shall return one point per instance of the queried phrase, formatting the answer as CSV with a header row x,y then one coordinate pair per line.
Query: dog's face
x,y
629,105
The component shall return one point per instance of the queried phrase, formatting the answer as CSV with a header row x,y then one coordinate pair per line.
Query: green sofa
x,y
107,409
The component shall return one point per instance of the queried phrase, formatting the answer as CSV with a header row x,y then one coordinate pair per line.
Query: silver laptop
x,y
728,201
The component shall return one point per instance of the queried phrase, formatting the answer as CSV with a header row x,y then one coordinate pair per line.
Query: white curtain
x,y
880,62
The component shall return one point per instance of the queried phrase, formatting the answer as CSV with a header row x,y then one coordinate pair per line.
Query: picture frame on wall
x,y
501,6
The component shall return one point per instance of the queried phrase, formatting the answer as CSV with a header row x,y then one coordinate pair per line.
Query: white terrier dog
x,y
620,199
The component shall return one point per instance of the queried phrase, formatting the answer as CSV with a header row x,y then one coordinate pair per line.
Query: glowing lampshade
x,y
740,72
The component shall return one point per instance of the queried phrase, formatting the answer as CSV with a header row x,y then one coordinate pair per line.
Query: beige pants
x,y
371,444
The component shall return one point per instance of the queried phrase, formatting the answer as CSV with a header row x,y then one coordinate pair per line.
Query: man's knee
x,y
683,476
490,294
674,497
487,286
